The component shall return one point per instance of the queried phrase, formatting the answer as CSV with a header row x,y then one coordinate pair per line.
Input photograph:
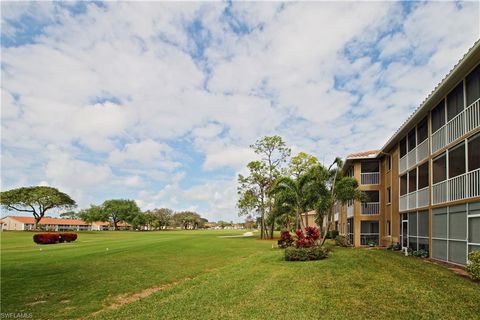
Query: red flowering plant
x,y
285,239
308,239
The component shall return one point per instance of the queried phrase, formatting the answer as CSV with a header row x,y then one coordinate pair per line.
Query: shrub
x,y
307,240
332,234
45,238
473,265
285,239
305,253
420,253
51,238
69,237
342,241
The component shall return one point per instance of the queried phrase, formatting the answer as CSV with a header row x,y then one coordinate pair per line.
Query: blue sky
x,y
158,102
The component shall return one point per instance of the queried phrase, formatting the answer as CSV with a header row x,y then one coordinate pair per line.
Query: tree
x,y
36,200
249,222
252,191
187,219
139,220
332,187
274,153
162,217
114,211
69,215
301,164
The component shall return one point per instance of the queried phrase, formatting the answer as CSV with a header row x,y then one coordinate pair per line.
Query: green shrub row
x,y
305,253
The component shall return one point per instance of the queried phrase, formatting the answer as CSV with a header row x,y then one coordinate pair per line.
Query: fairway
x,y
204,275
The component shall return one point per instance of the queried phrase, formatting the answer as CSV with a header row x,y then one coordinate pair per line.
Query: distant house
x,y
103,226
53,224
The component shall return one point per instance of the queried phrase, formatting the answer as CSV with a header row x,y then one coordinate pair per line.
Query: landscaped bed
x,y
198,275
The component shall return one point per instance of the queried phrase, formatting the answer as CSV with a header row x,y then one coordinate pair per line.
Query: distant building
x,y
21,223
52,224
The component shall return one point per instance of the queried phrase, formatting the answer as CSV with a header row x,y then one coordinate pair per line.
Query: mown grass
x,y
221,278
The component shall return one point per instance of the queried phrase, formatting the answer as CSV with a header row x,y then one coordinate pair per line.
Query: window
x,y
412,180
456,161
422,130
455,102
389,162
473,86
474,153
403,147
412,140
423,176
438,116
369,232
440,169
389,228
389,195
403,185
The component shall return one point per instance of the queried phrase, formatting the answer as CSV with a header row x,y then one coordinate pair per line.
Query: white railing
x,y
350,211
439,192
473,115
456,127
371,208
370,178
464,186
402,164
414,156
422,150
403,203
462,123
415,199
439,139
423,197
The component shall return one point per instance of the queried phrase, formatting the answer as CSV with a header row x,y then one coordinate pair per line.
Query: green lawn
x,y
199,275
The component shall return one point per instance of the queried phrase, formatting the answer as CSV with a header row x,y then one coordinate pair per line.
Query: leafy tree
x,y
162,217
252,191
187,219
301,164
69,215
249,222
139,220
114,211
36,200
274,153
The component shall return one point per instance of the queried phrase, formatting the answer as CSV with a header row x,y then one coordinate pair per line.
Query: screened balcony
x,y
414,192
370,173
414,147
450,119
373,205
460,179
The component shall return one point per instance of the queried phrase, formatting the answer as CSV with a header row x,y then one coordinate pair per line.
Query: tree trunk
x,y
115,227
272,227
329,214
300,223
37,220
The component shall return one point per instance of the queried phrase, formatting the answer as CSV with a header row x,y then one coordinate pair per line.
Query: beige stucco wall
x,y
11,224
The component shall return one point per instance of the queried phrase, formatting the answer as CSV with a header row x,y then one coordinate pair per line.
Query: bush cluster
x,y
332,234
307,240
342,241
420,253
285,239
51,238
305,253
473,265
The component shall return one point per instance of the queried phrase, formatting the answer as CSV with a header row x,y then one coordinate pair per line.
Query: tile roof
x,y
46,220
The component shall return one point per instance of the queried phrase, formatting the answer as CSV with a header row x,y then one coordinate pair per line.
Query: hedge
x,y
51,238
305,254
473,265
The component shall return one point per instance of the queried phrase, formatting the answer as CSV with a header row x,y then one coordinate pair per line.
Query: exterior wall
x,y
8,223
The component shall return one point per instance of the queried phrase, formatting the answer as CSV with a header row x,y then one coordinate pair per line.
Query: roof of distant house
x,y
45,220
364,154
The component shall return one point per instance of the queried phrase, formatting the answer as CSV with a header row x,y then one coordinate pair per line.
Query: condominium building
x,y
423,185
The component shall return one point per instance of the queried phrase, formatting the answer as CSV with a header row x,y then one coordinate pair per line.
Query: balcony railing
x,y
414,200
461,124
414,156
370,208
349,211
367,238
463,186
370,178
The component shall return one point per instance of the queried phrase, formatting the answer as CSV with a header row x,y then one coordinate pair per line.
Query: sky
x,y
159,101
